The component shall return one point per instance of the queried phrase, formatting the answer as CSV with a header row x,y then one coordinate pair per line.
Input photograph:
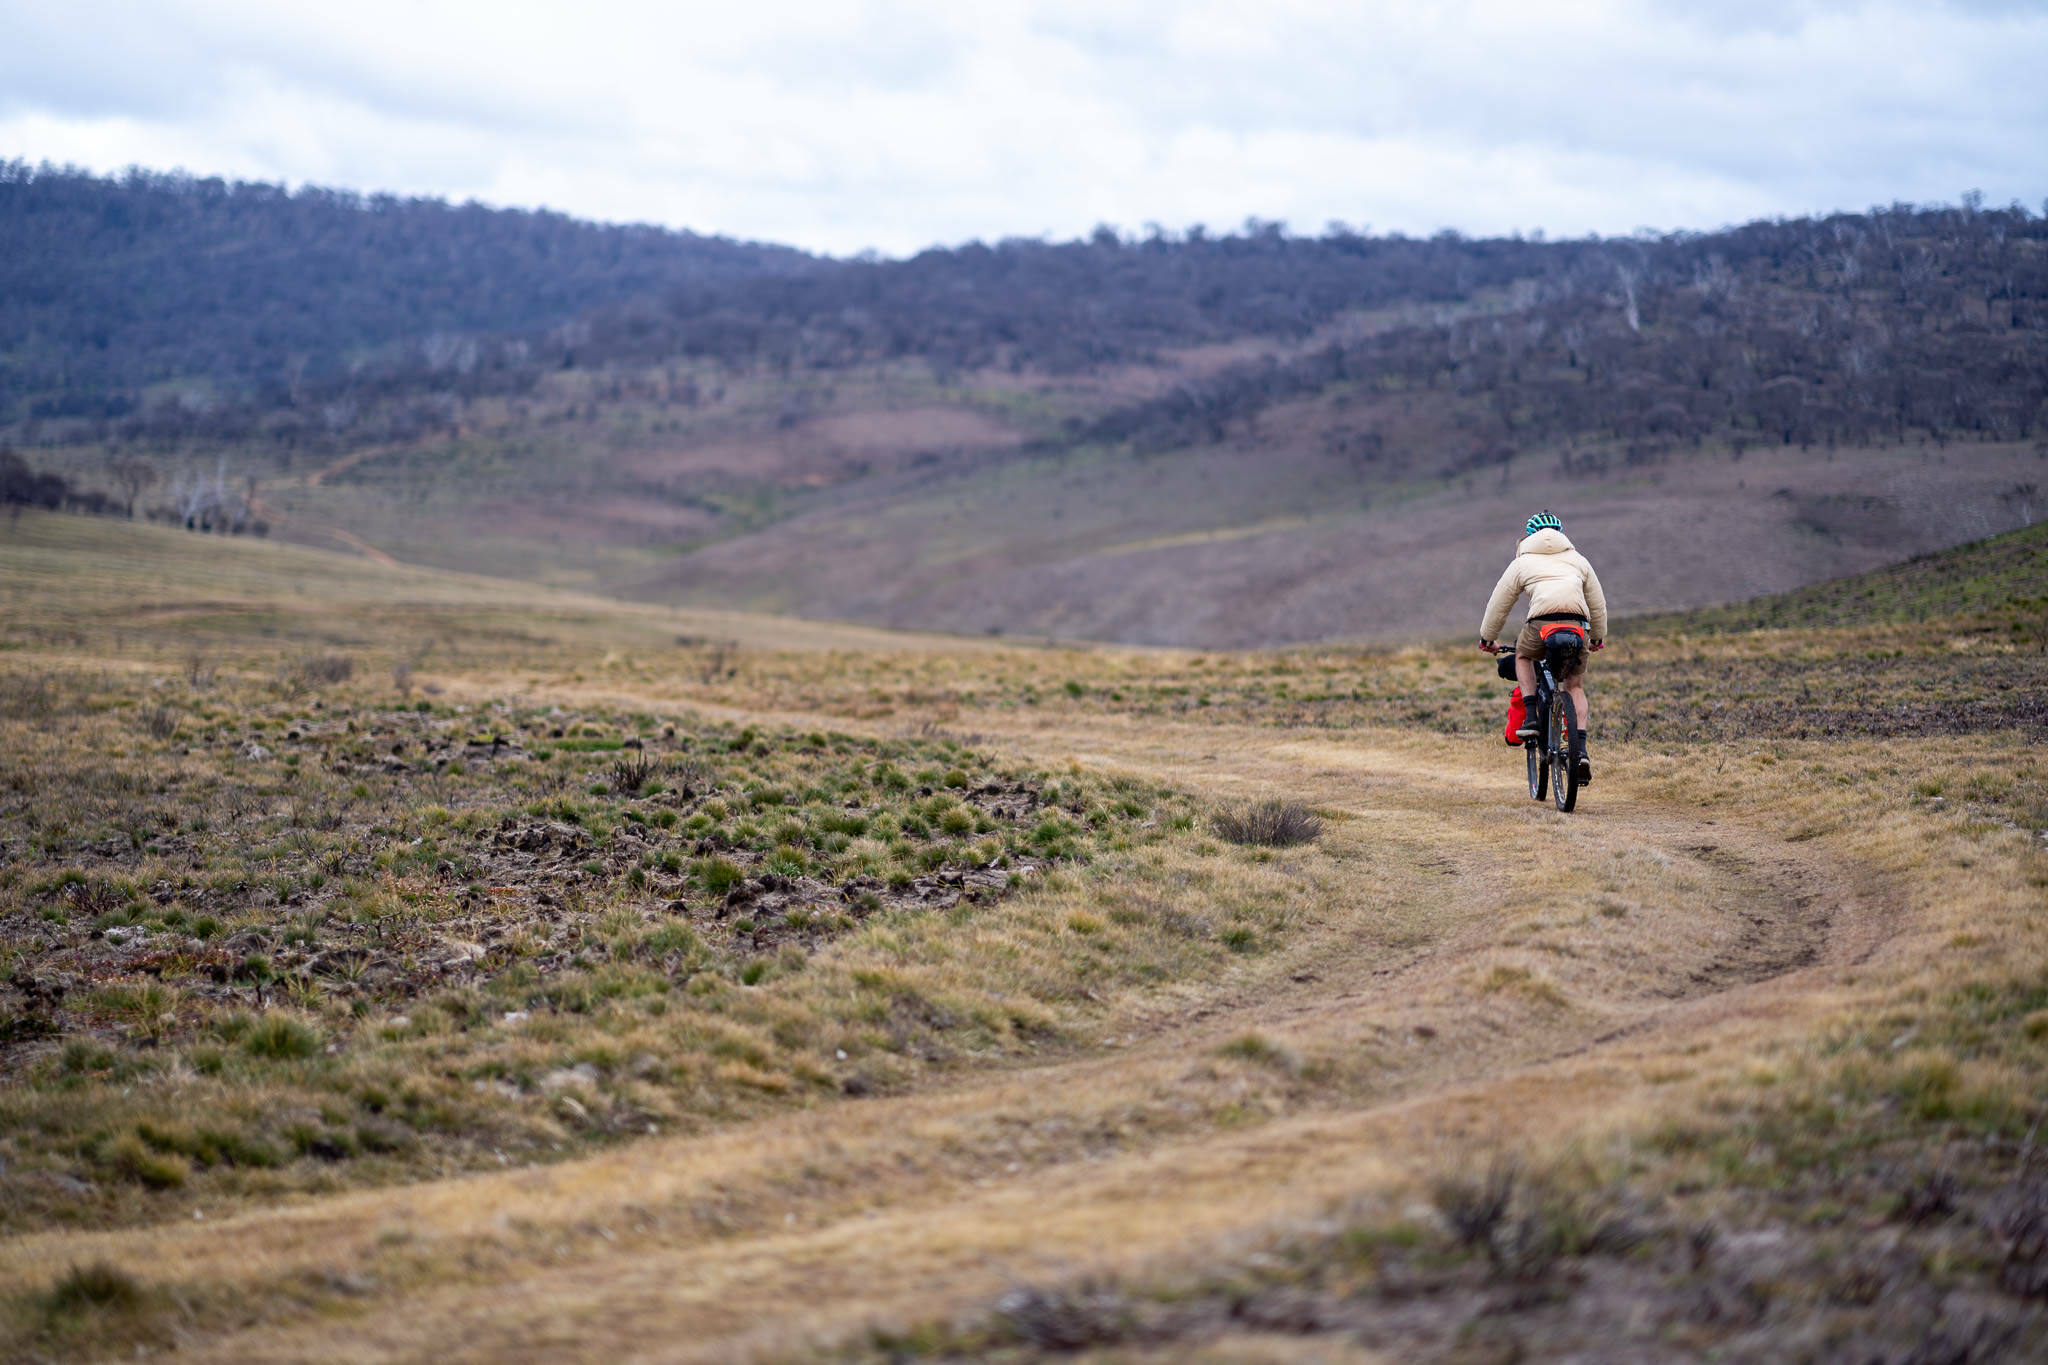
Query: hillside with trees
x,y
1194,437
111,285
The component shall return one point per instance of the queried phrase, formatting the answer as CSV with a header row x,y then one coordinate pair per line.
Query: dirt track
x,y
1544,977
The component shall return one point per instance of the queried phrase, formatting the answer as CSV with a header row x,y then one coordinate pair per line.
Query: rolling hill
x,y
1211,440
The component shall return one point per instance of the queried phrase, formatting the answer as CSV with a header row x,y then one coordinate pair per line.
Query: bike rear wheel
x,y
1564,777
1539,766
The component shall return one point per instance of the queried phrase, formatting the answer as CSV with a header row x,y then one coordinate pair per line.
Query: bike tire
x,y
1564,778
1539,767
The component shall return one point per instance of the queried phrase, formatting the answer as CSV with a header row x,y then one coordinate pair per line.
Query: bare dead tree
x,y
131,475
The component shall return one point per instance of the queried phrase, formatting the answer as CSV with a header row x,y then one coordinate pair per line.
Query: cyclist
x,y
1562,587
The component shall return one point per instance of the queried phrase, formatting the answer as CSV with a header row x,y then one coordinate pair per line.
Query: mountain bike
x,y
1549,755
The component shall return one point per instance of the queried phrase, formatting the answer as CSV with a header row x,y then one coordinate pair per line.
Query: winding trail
x,y
348,539
1476,971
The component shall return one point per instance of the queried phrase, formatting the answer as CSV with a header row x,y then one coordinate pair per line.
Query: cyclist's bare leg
x,y
1525,674
1575,688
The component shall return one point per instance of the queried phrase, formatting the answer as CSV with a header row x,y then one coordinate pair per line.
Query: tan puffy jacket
x,y
1557,579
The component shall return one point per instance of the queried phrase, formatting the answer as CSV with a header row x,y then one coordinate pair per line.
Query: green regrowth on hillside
x,y
2004,578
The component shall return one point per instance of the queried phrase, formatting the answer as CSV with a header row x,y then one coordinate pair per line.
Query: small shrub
x,y
27,696
96,898
1928,1197
160,722
631,773
1268,824
316,669
1474,1209
1063,1321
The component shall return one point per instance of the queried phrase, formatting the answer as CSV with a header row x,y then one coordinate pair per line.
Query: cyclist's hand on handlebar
x,y
1599,645
1489,646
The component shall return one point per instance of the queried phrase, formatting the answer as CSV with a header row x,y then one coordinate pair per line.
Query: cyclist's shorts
x,y
1529,644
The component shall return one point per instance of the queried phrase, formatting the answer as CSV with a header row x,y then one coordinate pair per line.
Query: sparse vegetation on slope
x,y
1986,585
288,935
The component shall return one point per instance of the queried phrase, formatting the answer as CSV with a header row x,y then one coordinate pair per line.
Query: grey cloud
x,y
136,66
898,125
897,53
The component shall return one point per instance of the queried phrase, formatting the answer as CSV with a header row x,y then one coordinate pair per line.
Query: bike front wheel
x,y
1564,777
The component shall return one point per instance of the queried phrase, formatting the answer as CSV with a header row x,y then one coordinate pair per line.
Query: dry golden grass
x,y
1736,966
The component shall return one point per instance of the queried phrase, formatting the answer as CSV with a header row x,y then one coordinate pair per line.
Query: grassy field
x,y
397,964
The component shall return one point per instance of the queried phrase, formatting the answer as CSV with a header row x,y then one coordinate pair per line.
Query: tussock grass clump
x,y
1261,1050
280,1037
719,875
1268,824
128,1158
98,1285
96,1310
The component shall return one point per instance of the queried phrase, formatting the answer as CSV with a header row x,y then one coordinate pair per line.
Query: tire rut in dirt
x,y
1785,925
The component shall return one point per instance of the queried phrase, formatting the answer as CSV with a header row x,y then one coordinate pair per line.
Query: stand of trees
x,y
199,501
1847,330
21,485
111,285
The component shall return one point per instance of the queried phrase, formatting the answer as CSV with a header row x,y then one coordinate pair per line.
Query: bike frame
x,y
1549,754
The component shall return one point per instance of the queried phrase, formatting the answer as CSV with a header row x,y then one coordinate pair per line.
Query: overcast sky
x,y
900,123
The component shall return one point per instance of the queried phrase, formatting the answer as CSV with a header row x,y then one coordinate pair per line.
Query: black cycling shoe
x,y
1585,771
1528,730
